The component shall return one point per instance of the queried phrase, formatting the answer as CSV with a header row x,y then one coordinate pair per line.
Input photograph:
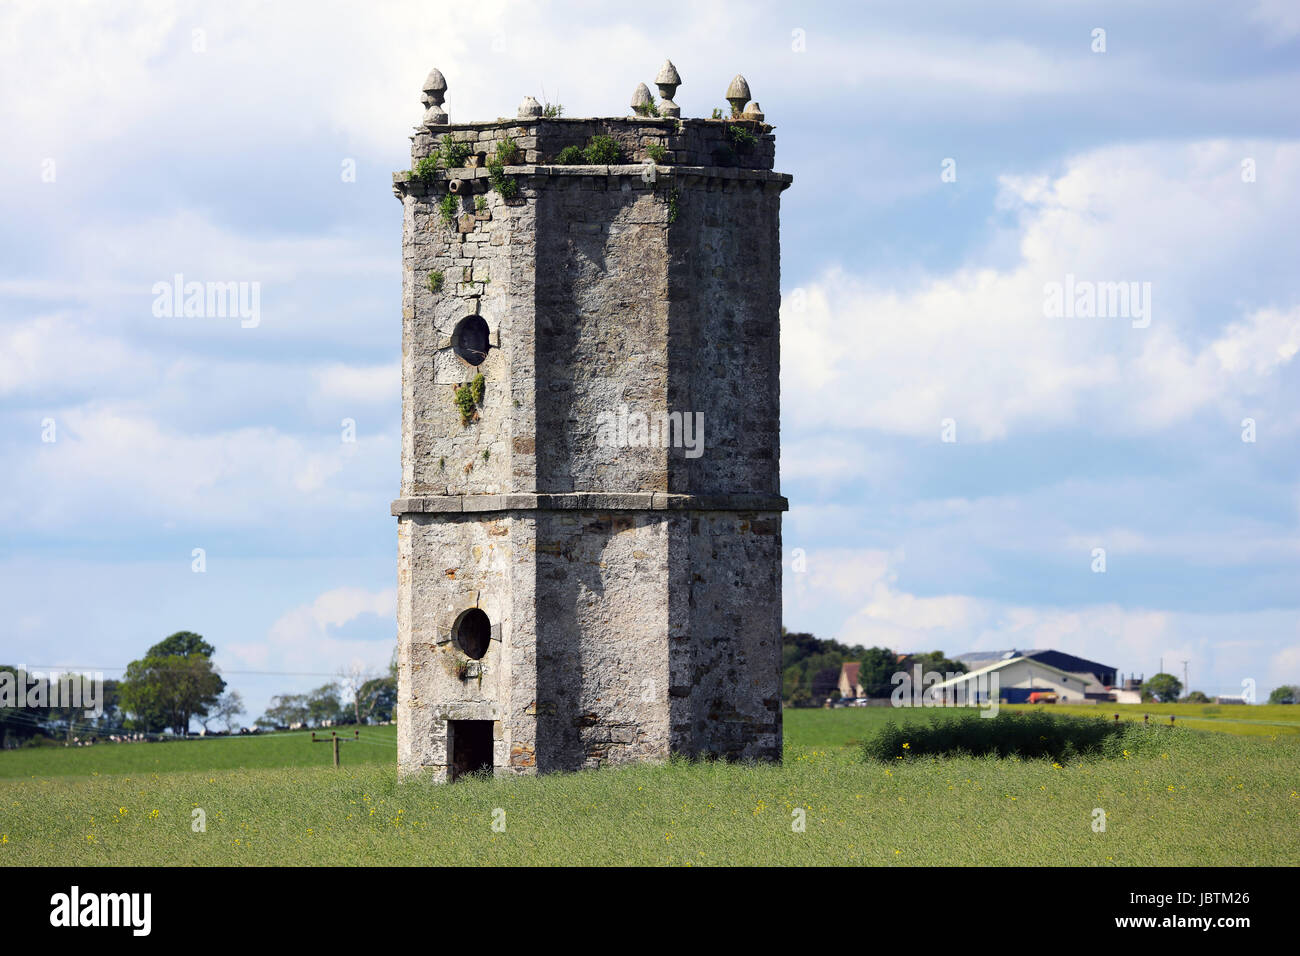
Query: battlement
x,y
654,133
689,142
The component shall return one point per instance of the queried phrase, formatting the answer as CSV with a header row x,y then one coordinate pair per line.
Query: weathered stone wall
x,y
447,564
602,329
689,142
724,295
726,634
602,660
624,636
634,592
480,256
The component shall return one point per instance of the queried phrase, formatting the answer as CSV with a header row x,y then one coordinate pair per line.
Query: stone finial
x,y
754,112
737,95
435,91
435,84
640,99
668,80
529,108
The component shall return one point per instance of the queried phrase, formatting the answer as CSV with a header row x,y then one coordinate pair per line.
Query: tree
x,y
174,682
182,644
933,661
354,679
1164,688
826,683
226,709
112,720
1196,697
285,711
379,698
806,660
15,722
804,657
324,705
879,664
66,715
1286,694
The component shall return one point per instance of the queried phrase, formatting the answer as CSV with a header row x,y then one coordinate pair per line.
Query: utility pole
x,y
1187,687
336,740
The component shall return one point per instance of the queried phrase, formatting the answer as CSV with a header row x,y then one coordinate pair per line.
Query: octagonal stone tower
x,y
589,533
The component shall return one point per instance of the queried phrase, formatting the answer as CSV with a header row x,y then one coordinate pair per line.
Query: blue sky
x,y
210,139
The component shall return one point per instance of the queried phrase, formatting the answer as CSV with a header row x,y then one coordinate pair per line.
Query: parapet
x,y
655,133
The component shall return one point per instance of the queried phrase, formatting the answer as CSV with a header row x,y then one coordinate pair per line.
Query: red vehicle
x,y
1043,697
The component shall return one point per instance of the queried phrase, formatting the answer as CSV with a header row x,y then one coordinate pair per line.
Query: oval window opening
x,y
471,632
470,339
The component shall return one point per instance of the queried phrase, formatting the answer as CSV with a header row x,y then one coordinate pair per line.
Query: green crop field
x,y
377,746
1179,797
1262,720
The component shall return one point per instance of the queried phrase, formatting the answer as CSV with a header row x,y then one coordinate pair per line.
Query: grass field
x,y
1189,798
379,746
1262,720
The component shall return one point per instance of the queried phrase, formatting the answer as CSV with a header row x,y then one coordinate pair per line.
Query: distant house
x,y
1018,677
848,685
1100,676
1230,700
1102,679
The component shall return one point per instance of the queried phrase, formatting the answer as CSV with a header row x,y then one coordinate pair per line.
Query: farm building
x,y
1018,677
1099,676
849,685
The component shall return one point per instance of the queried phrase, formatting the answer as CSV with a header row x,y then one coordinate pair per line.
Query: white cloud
x,y
1280,17
227,478
975,346
1285,665
304,639
261,77
374,383
52,353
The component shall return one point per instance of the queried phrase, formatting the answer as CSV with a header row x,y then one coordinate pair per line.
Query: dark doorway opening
x,y
471,747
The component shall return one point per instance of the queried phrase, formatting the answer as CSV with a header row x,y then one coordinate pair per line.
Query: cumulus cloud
x,y
140,470
306,638
375,383
54,353
976,346
1280,18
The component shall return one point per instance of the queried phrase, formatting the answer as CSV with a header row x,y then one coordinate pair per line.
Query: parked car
x,y
1042,697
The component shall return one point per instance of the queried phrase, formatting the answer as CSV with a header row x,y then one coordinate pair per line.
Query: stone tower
x,y
589,533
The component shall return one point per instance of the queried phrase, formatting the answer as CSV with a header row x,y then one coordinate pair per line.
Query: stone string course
x,y
633,500
634,592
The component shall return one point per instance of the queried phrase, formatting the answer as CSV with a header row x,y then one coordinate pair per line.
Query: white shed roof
x,y
999,666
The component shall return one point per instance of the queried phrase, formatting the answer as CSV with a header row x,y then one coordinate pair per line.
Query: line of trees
x,y
173,684
357,697
810,668
36,719
1166,689
176,682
